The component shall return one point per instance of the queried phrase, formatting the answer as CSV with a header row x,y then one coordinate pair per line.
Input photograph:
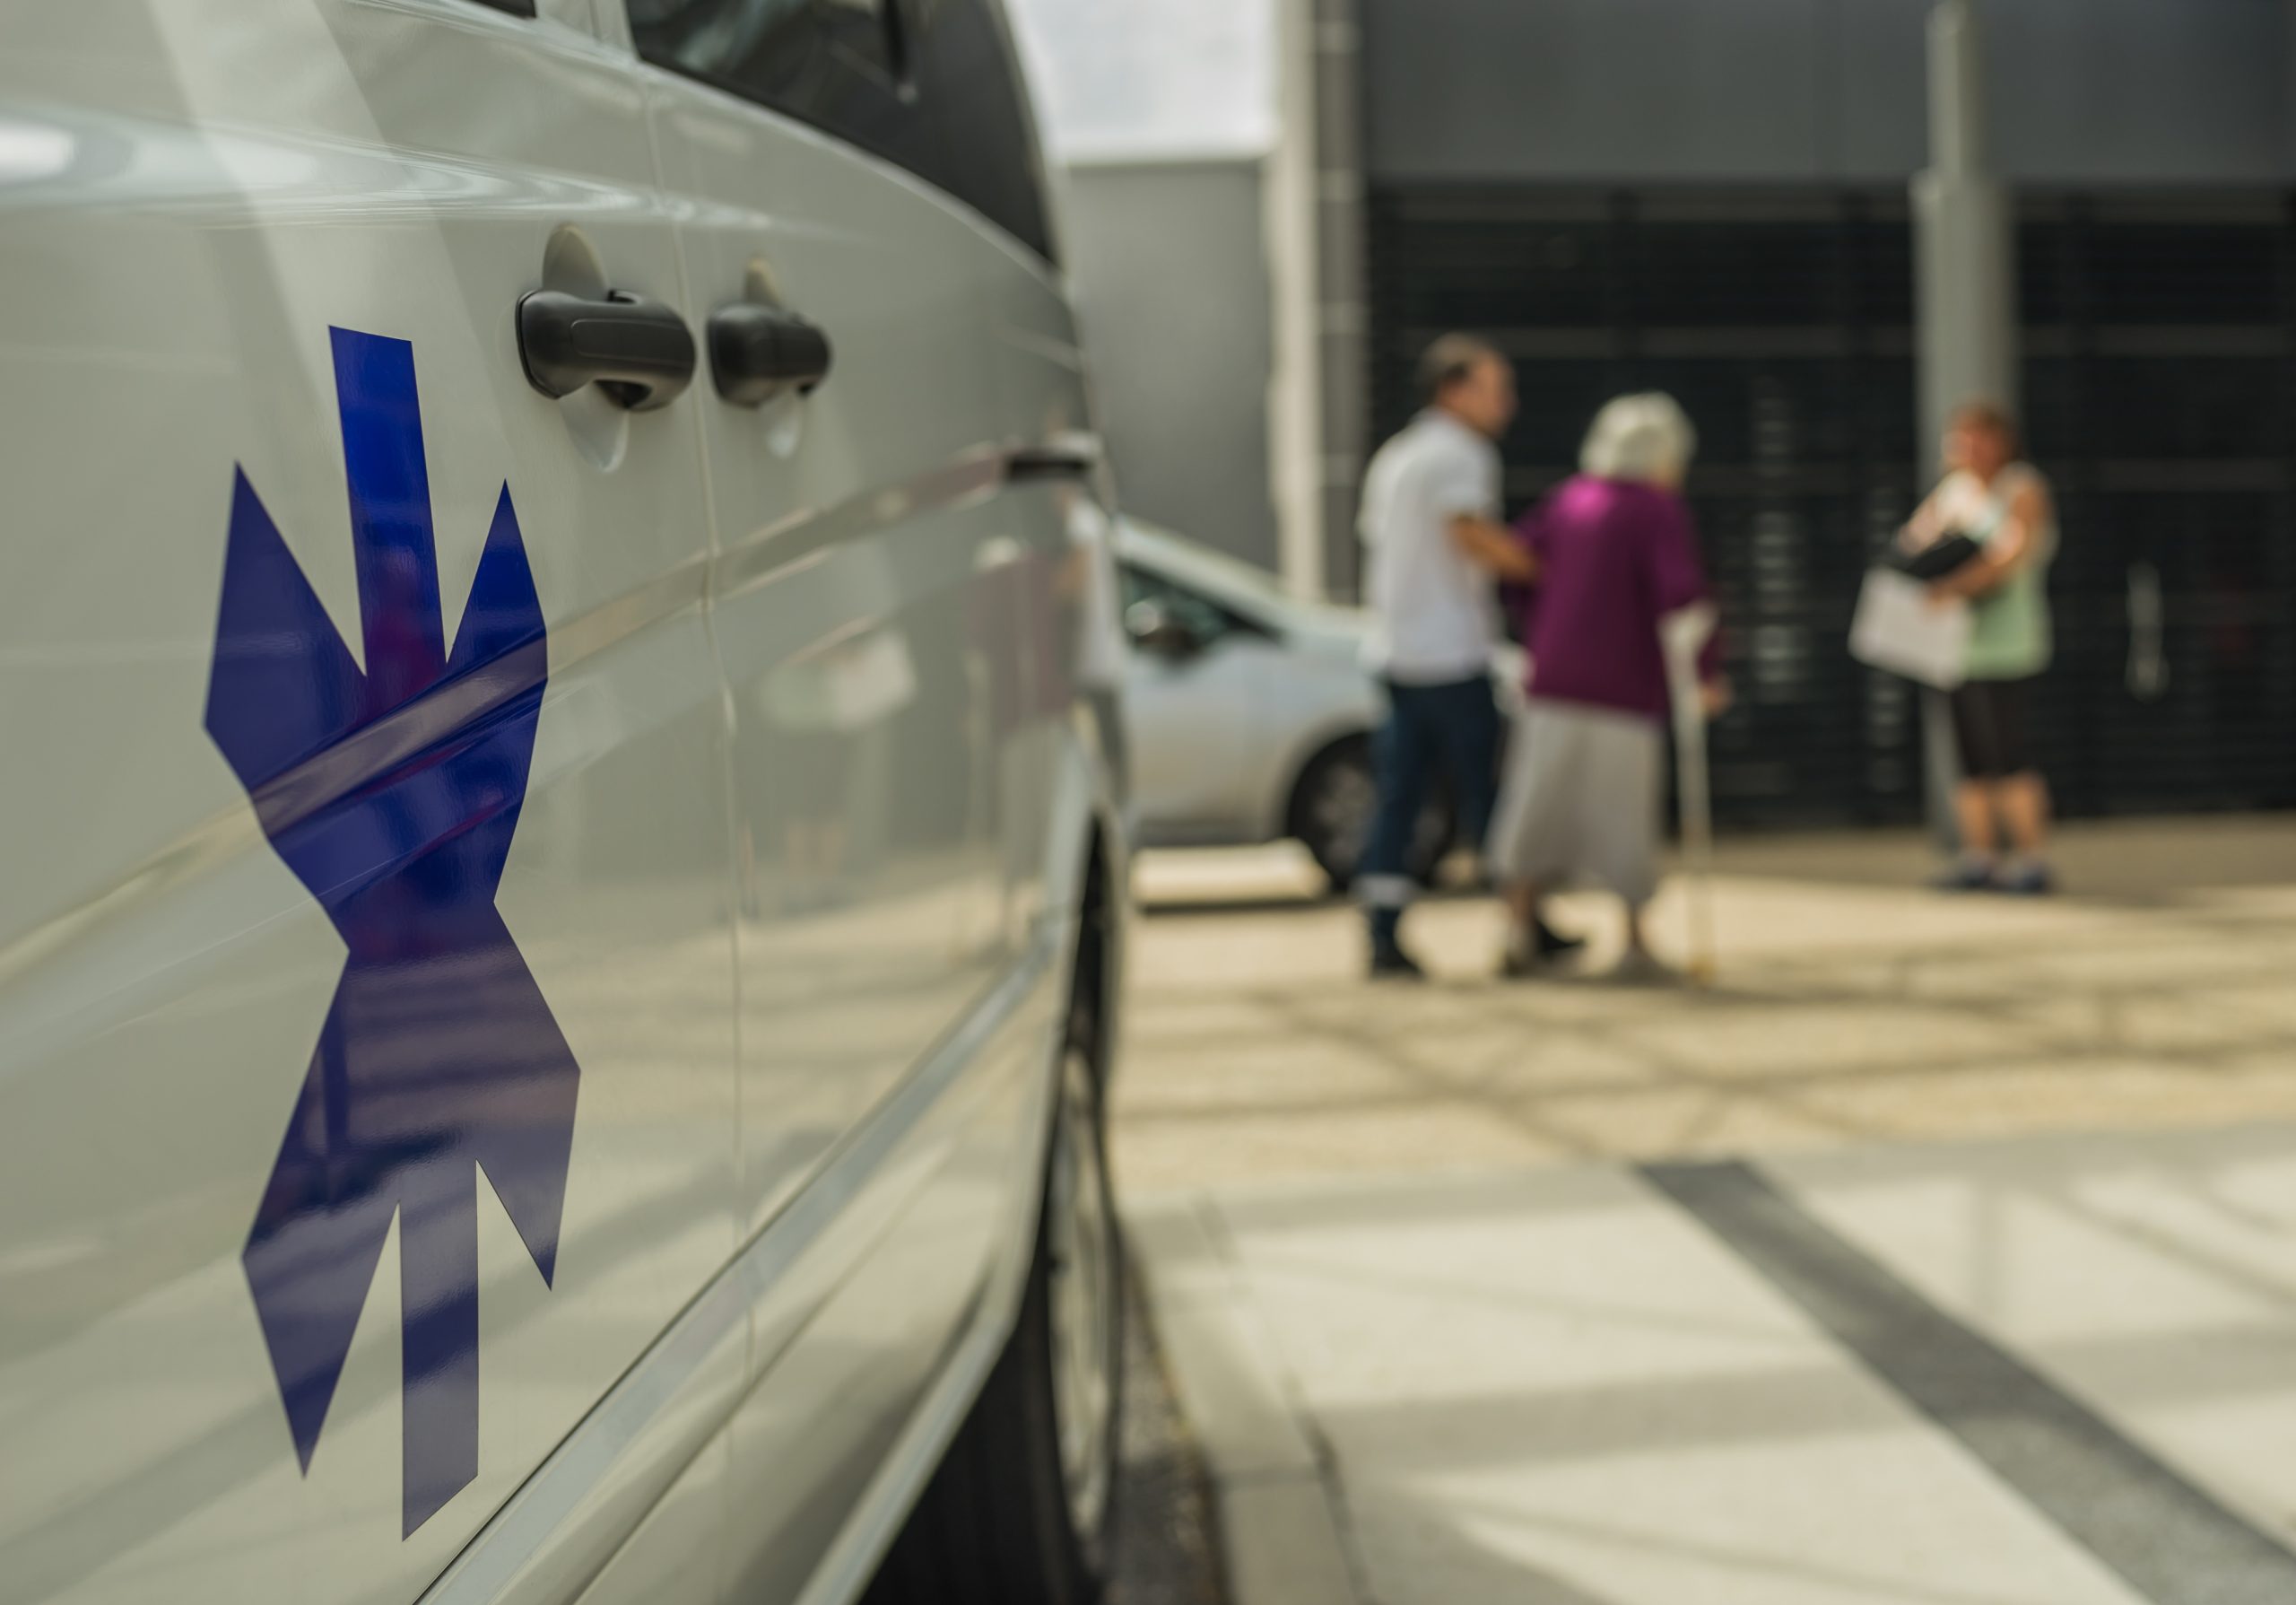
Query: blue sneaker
x,y
2027,880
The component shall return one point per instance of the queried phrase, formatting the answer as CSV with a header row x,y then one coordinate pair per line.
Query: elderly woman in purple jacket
x,y
1582,797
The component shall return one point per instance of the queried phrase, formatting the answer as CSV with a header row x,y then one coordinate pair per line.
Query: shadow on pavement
x,y
1847,1014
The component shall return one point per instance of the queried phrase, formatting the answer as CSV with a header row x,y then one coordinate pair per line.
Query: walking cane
x,y
1684,635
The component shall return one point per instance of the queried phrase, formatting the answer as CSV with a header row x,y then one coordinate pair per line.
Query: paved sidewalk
x,y
1852,1007
1470,1300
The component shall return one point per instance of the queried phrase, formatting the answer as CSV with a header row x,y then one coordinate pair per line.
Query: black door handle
x,y
639,351
758,352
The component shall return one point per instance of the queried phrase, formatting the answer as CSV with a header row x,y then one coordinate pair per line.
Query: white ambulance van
x,y
560,888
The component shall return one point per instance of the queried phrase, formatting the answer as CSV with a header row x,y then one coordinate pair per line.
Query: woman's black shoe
x,y
1549,949
1553,945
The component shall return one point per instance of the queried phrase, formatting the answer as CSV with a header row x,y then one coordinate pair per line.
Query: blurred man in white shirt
x,y
1430,522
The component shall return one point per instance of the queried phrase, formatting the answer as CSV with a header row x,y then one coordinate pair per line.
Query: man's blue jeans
x,y
1451,730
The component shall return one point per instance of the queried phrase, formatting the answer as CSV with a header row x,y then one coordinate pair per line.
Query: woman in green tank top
x,y
1990,495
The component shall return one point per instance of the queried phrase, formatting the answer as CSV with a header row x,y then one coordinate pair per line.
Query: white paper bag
x,y
1899,629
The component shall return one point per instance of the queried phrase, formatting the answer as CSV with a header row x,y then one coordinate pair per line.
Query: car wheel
x,y
1331,816
1019,1511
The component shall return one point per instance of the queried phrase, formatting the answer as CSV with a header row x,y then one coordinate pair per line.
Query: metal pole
x,y
1965,277
1683,637
1965,242
1343,313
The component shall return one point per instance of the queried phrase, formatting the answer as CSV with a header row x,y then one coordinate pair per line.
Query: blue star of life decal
x,y
393,795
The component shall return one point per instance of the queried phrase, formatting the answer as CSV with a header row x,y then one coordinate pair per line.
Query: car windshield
x,y
1201,566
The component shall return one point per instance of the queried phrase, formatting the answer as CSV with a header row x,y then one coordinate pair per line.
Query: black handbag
x,y
1943,558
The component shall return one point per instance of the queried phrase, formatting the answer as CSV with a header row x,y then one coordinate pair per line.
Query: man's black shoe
x,y
1393,964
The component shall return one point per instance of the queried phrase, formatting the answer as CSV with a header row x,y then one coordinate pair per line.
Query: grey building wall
x,y
2083,92
1169,264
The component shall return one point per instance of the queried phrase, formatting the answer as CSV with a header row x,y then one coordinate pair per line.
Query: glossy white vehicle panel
x,y
1059,508
856,545
614,1504
884,609
772,745
196,195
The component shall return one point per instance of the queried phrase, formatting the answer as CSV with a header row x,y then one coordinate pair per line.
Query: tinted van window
x,y
785,53
969,83
930,85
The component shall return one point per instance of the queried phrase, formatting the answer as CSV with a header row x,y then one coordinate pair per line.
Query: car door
x,y
1195,676
873,608
853,609
365,797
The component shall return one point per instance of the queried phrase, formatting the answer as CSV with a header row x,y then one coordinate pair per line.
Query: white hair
x,y
1646,438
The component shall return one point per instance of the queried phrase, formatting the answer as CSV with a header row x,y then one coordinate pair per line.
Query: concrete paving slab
x,y
1496,1056
1229,1379
1676,1122
2015,1096
1553,1387
1273,1074
1769,1039
2162,1532
1156,1154
2153,1277
1284,1545
1282,1542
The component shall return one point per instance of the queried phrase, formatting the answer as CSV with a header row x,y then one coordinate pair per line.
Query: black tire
x,y
997,1525
1331,816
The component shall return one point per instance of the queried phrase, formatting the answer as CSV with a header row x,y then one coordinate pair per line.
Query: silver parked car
x,y
1251,709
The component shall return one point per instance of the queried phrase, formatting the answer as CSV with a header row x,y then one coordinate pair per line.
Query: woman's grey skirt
x,y
1580,802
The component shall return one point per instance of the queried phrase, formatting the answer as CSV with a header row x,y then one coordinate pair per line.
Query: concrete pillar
x,y
1965,274
1294,259
1965,238
1320,395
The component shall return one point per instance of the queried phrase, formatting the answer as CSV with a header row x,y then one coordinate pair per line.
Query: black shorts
x,y
1993,724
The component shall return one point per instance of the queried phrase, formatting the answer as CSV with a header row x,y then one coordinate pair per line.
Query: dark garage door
x,y
2161,394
